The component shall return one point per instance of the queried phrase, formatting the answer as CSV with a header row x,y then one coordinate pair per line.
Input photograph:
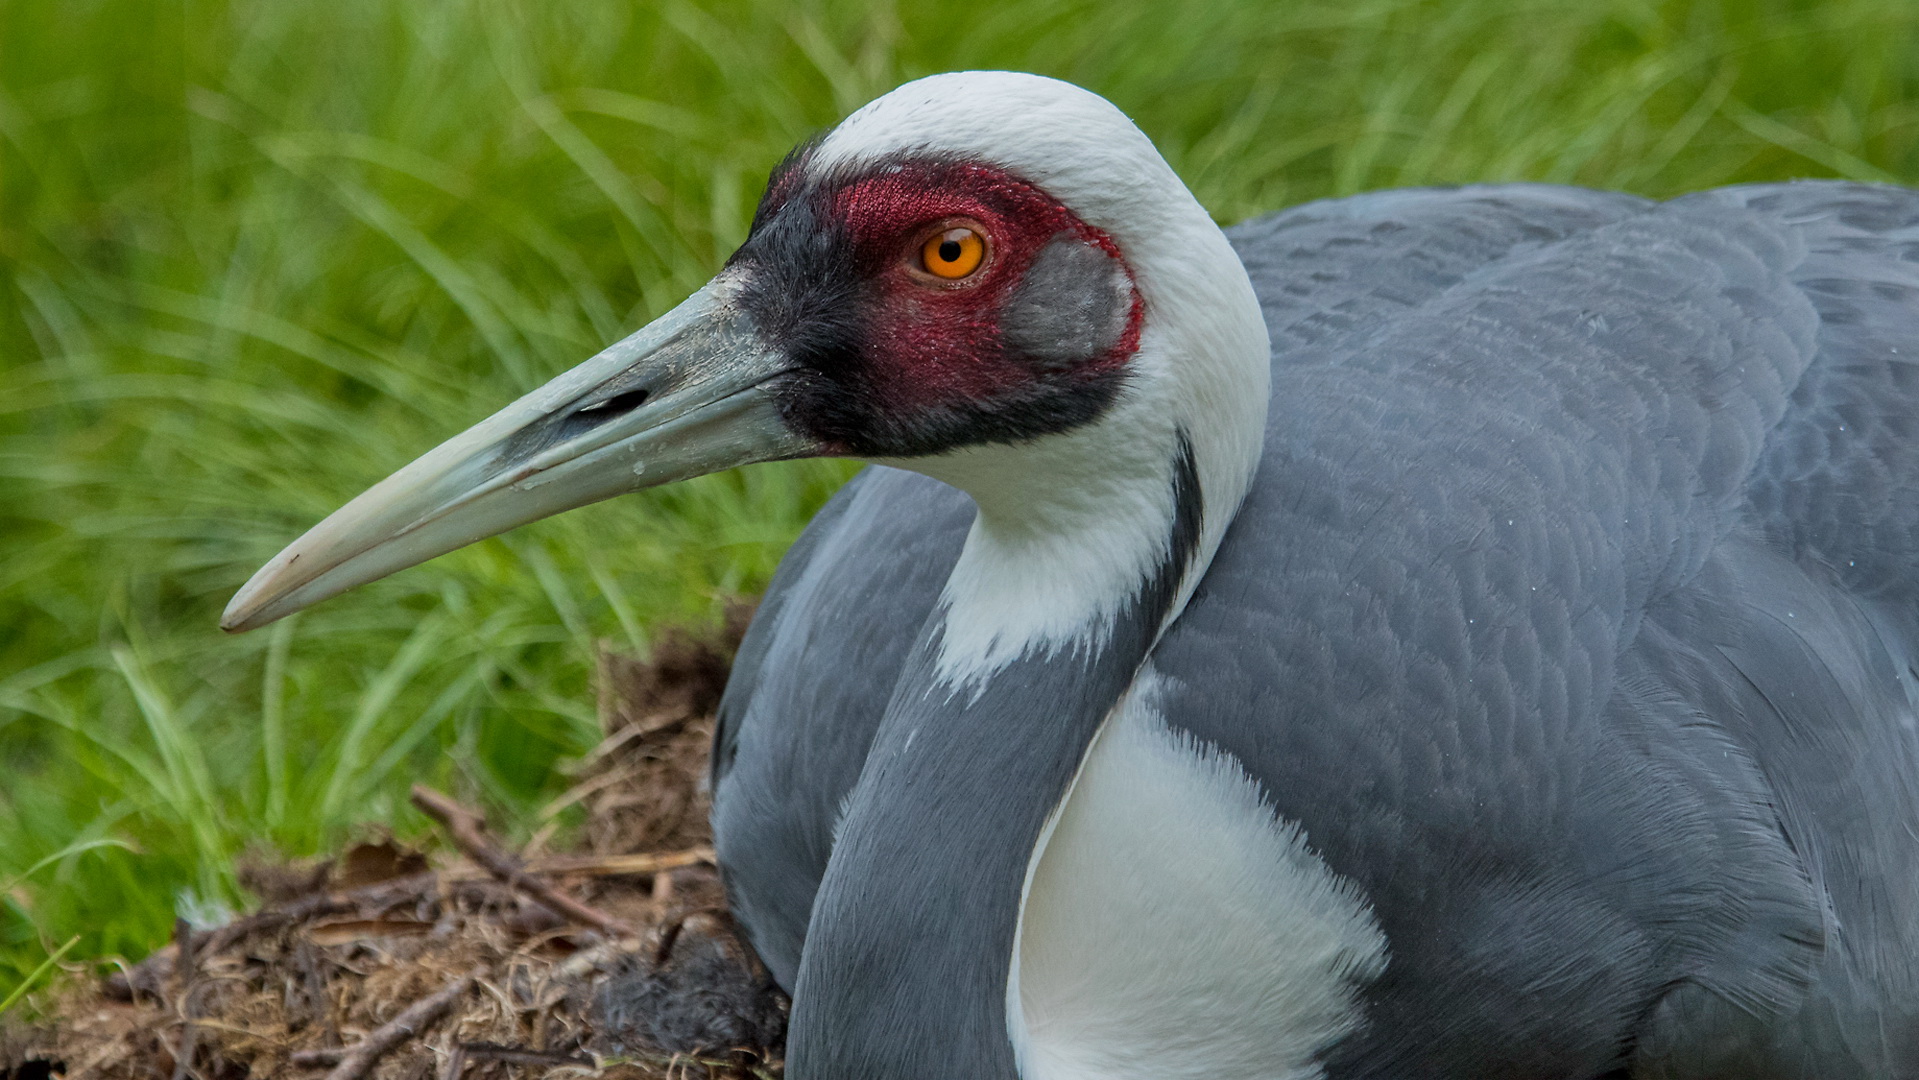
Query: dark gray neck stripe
x,y
908,953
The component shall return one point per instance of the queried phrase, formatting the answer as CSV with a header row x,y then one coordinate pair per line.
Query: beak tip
x,y
252,606
236,619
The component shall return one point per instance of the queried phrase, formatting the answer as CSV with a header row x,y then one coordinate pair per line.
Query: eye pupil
x,y
949,250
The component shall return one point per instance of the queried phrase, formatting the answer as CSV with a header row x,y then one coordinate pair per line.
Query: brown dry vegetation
x,y
466,973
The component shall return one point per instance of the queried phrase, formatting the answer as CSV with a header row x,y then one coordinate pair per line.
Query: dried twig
x,y
357,1060
460,1055
677,1064
595,865
520,1055
468,831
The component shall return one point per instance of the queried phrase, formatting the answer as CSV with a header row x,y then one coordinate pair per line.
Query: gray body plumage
x,y
1571,615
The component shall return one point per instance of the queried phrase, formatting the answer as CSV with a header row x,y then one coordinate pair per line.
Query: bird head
x,y
969,264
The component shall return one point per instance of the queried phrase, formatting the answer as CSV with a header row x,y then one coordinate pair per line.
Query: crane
x,y
1445,633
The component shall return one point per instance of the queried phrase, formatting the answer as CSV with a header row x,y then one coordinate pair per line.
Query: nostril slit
x,y
556,428
616,405
590,416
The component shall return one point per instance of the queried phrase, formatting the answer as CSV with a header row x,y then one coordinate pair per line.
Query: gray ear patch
x,y
1069,308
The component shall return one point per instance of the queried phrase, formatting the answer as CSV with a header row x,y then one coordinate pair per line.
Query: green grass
x,y
255,255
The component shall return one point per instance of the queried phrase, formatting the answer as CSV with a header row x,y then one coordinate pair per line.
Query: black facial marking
x,y
807,294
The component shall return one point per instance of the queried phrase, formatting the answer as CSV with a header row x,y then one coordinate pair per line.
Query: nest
x,y
614,960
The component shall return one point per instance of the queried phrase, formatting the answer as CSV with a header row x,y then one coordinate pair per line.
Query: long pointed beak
x,y
686,396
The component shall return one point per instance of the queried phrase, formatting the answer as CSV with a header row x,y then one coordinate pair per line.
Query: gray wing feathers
x,y
1329,270
1837,480
1792,671
820,662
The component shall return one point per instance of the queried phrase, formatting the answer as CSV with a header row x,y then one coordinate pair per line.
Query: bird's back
x,y
1569,616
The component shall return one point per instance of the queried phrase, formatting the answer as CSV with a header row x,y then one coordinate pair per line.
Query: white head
x,y
1073,520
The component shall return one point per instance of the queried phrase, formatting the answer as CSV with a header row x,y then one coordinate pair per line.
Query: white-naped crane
x,y
1459,633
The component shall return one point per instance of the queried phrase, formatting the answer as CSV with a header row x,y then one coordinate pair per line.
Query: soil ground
x,y
499,983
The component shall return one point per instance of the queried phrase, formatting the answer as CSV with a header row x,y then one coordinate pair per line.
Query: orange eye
x,y
952,254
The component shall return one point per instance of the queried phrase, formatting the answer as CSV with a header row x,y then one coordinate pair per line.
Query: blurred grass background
x,y
254,255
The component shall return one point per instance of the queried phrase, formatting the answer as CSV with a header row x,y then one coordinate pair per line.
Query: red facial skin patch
x,y
931,343
887,360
